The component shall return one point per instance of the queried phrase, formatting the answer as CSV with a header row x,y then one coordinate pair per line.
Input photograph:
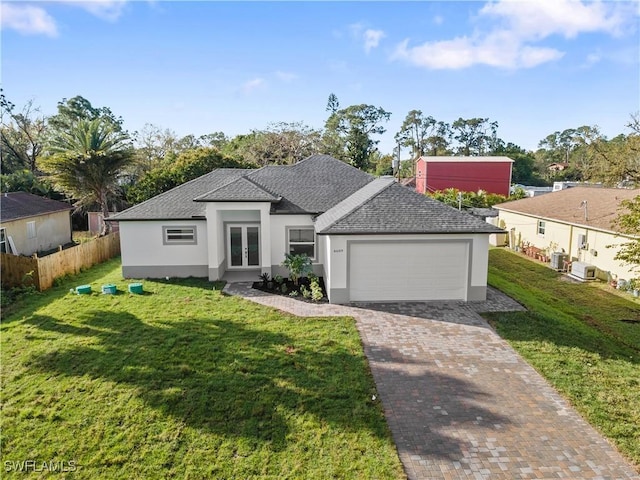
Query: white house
x,y
371,239
578,221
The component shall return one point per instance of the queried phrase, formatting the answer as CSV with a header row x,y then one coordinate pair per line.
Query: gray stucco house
x,y
370,238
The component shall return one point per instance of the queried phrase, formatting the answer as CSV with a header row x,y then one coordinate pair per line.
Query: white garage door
x,y
406,271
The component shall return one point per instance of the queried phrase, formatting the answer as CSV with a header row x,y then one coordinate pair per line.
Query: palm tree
x,y
85,161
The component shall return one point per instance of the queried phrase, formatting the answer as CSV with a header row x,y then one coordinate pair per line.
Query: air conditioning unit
x,y
583,271
558,259
582,242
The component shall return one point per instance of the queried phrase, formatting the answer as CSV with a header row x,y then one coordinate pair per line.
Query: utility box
x,y
558,259
583,271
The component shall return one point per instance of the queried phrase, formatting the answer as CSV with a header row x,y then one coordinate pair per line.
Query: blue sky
x,y
199,67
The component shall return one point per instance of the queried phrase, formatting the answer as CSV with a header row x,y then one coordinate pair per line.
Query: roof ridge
x,y
262,187
357,207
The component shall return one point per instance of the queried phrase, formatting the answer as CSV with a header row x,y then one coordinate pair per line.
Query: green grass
x,y
186,382
582,338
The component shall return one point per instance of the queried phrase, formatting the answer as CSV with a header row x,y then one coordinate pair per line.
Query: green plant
x,y
316,291
278,279
266,278
294,293
298,266
284,288
306,293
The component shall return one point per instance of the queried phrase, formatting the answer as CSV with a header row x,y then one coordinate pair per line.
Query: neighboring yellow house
x,y
31,224
577,221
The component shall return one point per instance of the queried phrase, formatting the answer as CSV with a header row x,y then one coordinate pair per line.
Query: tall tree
x,y
187,166
475,136
279,144
439,142
78,108
415,132
22,136
628,222
85,160
354,126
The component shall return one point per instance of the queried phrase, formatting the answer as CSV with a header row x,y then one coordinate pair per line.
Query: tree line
x,y
84,154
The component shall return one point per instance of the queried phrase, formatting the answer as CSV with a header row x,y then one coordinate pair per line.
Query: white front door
x,y
243,245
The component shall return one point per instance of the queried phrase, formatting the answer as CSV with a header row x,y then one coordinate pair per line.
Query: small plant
x,y
278,279
266,278
298,266
306,293
284,288
316,291
294,293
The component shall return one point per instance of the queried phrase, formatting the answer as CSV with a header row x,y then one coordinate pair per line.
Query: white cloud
x,y
27,19
372,39
286,76
109,10
252,85
438,20
569,18
464,52
511,41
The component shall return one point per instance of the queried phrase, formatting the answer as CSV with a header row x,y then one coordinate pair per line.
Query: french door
x,y
243,245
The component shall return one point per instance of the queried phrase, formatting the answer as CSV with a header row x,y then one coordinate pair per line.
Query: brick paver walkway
x,y
460,402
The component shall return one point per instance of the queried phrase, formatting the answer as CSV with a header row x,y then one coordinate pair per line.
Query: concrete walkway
x,y
460,402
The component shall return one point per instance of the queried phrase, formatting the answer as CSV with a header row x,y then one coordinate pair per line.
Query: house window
x,y
186,235
31,229
3,240
302,240
541,227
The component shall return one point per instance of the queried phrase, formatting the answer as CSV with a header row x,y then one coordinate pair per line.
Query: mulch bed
x,y
277,289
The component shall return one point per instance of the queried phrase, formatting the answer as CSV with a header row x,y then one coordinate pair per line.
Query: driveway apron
x,y
460,402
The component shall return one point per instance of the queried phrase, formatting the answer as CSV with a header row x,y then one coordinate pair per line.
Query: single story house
x,y
371,239
30,223
468,174
577,221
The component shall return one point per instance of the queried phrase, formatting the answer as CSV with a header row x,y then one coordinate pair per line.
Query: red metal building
x,y
468,174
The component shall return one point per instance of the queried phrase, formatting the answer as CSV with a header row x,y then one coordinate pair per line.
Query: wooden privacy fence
x,y
43,271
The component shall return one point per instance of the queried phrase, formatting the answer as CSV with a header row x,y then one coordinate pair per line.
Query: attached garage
x,y
408,270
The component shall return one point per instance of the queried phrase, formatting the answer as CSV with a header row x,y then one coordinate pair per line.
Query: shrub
x,y
298,266
316,291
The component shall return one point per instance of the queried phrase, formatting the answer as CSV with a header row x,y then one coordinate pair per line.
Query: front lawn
x,y
185,382
581,338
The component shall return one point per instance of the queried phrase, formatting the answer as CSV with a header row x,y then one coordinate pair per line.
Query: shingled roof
x,y
567,206
177,203
392,208
16,205
313,185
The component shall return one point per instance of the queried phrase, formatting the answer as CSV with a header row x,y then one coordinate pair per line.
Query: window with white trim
x,y
302,240
180,235
3,240
31,229
541,227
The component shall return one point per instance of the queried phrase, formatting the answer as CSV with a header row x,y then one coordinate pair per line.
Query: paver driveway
x,y
460,402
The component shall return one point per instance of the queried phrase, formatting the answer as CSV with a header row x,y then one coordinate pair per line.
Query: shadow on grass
x,y
217,375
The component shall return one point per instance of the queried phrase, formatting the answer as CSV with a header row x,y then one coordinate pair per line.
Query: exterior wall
x,y
564,237
219,214
145,255
52,229
96,221
279,225
493,177
336,264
